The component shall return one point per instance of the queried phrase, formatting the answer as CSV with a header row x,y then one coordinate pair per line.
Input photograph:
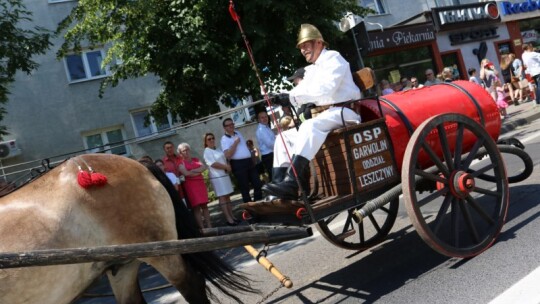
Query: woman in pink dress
x,y
194,185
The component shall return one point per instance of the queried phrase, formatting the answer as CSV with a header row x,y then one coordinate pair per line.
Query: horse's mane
x,y
216,271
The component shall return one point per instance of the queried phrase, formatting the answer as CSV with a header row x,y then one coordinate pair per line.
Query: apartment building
x,y
56,110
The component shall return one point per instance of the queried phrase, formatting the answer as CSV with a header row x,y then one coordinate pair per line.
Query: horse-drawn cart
x,y
439,142
436,146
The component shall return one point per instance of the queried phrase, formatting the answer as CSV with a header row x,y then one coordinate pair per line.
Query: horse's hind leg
x,y
189,282
125,283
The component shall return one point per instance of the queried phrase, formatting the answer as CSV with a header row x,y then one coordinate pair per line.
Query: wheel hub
x,y
461,184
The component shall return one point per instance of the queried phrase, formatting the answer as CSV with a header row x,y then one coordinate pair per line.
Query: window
x,y
145,124
440,3
106,141
377,5
85,66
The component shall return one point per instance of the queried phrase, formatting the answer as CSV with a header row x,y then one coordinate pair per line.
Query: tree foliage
x,y
19,41
195,48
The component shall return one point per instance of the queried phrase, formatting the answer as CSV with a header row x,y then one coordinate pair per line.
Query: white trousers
x,y
281,157
313,132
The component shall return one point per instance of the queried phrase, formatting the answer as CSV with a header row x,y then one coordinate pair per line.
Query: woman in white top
x,y
218,173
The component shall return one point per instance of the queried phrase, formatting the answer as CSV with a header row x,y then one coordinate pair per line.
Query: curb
x,y
514,124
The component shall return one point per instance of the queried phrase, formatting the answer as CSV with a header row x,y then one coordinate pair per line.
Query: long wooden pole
x,y
130,251
285,281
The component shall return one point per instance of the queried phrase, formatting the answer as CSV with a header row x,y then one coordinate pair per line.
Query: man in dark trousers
x,y
235,148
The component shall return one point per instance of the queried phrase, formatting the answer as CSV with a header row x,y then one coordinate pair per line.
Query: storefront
x,y
469,33
402,51
523,20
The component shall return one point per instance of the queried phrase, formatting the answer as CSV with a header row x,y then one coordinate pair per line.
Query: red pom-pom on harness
x,y
84,179
98,179
87,179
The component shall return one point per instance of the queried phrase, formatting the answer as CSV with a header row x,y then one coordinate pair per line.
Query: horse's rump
x,y
135,206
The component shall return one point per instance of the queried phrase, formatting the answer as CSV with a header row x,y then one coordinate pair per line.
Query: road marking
x,y
525,291
529,138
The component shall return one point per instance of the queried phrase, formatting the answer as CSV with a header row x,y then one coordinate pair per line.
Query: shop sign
x,y
452,17
529,36
528,6
473,35
401,37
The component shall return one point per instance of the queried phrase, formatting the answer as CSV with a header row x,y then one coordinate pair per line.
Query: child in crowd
x,y
472,76
501,95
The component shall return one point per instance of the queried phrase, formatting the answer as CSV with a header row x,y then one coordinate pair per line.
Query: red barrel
x,y
405,111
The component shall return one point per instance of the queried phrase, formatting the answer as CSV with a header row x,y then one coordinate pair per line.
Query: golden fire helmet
x,y
309,32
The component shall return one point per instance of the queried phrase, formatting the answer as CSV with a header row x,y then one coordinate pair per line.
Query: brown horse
x,y
136,205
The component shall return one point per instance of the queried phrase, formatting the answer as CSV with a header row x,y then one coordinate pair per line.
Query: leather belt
x,y
317,110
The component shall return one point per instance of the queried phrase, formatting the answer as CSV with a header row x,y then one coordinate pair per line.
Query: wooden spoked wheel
x,y
465,214
346,231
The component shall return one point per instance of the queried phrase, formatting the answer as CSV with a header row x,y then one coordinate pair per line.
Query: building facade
x,y
408,37
55,112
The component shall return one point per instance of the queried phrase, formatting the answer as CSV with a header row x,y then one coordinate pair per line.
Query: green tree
x,y
19,41
195,48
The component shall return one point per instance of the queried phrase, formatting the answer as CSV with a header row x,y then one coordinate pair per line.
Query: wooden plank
x,y
131,251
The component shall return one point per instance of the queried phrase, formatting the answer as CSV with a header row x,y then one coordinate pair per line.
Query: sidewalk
x,y
519,115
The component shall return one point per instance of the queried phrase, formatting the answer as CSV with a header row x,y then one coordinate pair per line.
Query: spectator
x,y
447,74
255,156
415,84
236,150
218,173
430,78
506,73
385,87
455,72
405,83
501,95
472,76
408,86
488,74
518,73
170,175
266,139
171,161
328,81
196,190
531,60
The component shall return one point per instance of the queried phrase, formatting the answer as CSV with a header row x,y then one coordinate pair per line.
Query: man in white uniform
x,y
327,81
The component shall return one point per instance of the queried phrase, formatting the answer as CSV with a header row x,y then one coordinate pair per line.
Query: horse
x,y
133,203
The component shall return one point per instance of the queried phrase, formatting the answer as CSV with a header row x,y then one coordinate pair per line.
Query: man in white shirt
x,y
266,139
531,60
236,151
327,82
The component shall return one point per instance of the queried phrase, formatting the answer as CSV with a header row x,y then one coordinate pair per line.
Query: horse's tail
x,y
216,271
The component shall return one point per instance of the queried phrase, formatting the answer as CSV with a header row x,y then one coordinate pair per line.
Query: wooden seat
x,y
364,79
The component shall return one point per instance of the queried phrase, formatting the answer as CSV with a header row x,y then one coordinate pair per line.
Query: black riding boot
x,y
278,174
288,188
